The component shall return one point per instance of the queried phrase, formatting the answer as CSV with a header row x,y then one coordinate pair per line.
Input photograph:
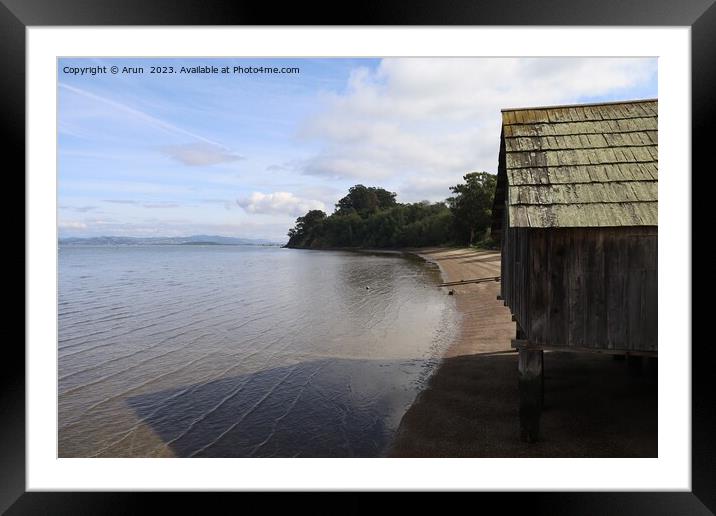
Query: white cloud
x,y
200,154
79,209
121,201
71,224
278,203
417,126
151,205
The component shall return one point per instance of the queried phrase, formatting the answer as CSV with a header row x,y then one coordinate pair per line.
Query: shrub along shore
x,y
371,217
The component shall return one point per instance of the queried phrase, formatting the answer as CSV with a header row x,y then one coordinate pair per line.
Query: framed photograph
x,y
416,253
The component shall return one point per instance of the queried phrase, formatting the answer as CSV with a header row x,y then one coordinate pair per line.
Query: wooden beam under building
x,y
531,377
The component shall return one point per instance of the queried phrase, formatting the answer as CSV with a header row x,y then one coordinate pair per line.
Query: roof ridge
x,y
539,108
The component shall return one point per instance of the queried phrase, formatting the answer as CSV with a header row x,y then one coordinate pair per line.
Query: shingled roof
x,y
578,166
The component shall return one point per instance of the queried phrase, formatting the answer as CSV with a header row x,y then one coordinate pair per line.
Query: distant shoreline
x,y
165,240
89,244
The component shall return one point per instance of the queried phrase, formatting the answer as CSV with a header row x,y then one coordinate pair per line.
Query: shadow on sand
x,y
593,408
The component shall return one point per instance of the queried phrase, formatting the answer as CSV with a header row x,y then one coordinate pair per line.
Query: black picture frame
x,y
699,15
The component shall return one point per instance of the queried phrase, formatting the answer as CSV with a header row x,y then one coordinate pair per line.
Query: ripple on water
x,y
242,352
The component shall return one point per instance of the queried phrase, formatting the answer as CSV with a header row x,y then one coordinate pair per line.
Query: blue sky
x,y
245,154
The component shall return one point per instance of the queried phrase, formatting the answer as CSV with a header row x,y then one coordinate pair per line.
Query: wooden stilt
x,y
541,399
530,371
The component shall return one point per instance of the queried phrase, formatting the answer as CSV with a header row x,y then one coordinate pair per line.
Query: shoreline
x,y
470,404
486,325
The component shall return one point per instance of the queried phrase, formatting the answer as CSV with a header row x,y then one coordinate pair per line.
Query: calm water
x,y
238,351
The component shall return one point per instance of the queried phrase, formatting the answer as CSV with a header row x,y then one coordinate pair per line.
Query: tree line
x,y
371,217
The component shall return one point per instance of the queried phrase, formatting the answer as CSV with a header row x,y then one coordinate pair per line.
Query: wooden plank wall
x,y
583,287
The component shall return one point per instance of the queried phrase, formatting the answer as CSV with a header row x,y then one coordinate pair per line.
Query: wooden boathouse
x,y
575,213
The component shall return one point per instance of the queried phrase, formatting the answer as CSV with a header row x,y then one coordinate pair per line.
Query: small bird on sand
x,y
451,292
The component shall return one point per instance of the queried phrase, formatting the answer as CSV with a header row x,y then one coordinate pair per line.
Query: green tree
x,y
365,200
305,230
471,205
371,217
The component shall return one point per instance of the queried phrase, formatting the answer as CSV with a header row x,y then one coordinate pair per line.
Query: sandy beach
x,y
486,323
593,407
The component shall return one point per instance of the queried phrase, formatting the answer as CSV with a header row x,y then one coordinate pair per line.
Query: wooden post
x,y
541,393
530,371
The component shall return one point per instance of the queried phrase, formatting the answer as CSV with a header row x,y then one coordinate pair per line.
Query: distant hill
x,y
189,240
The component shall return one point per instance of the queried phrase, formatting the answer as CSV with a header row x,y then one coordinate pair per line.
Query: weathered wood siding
x,y
583,287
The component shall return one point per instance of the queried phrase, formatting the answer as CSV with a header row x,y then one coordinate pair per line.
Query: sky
x,y
244,154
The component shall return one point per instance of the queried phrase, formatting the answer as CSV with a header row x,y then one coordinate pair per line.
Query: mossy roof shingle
x,y
581,165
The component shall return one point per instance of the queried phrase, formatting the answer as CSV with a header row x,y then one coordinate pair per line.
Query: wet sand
x,y
593,406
